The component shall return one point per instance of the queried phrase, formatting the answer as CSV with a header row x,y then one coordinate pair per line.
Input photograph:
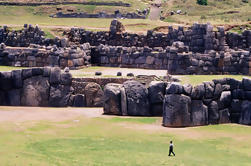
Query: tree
x,y
202,2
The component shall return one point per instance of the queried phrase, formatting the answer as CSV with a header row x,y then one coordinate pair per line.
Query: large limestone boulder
x,y
225,99
174,88
246,82
213,113
116,27
60,95
176,111
35,91
198,92
224,116
112,99
156,96
199,113
209,89
245,117
94,95
79,101
137,99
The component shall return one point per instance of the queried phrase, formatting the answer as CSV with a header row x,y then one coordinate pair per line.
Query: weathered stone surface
x,y
112,99
245,117
35,91
26,73
137,99
156,95
225,99
94,95
209,90
174,88
156,91
187,89
246,82
176,111
14,97
217,90
55,76
6,81
198,92
66,78
199,113
17,78
213,113
79,101
59,95
224,116
123,101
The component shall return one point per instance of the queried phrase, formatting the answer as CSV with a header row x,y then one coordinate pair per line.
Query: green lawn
x,y
102,141
197,79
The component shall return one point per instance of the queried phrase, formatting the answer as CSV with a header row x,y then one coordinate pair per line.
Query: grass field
x,y
121,141
216,12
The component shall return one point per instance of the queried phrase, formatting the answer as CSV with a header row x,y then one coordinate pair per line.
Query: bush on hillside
x,y
202,2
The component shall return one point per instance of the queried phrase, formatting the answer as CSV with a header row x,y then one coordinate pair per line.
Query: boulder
x,y
79,101
156,91
176,111
59,95
156,95
17,78
35,91
245,117
137,98
187,89
209,90
116,27
55,76
123,101
112,99
224,116
246,83
213,113
238,94
217,91
6,81
199,113
26,73
47,71
37,71
66,78
14,97
225,99
198,92
174,88
94,95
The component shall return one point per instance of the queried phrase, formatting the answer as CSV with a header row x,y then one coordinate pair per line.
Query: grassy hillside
x,y
217,11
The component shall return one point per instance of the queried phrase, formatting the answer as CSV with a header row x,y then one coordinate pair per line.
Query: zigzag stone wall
x,y
40,56
219,101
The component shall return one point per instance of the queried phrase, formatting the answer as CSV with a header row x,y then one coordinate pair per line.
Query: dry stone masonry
x,y
219,101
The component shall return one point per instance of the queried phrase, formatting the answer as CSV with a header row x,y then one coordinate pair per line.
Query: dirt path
x,y
21,114
155,10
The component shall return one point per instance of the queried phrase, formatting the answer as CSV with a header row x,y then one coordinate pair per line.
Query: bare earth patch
x,y
21,114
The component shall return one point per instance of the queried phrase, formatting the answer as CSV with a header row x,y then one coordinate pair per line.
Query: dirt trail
x,y
21,114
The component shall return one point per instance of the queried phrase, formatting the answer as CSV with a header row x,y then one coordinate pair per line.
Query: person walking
x,y
171,149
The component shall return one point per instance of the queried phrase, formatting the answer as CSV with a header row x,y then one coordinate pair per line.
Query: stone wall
x,y
40,56
219,101
28,35
111,3
177,59
36,87
199,37
131,15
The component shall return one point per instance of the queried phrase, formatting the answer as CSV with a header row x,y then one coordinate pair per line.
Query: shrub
x,y
202,2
